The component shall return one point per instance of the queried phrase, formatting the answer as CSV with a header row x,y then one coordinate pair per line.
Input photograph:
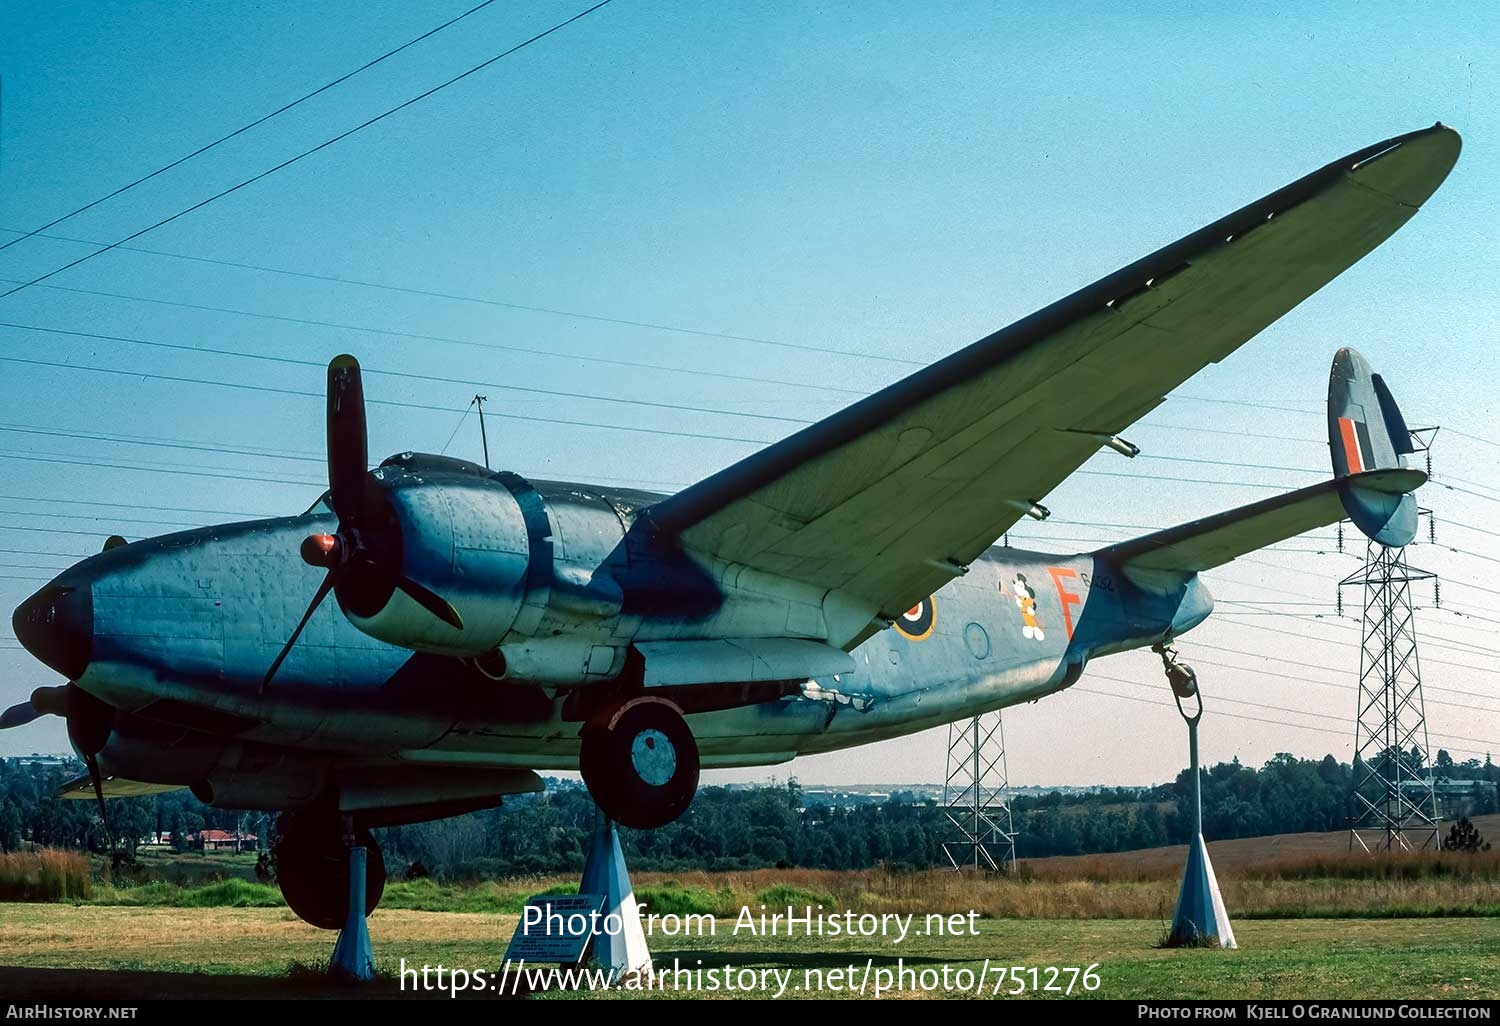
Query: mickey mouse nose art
x,y
1026,602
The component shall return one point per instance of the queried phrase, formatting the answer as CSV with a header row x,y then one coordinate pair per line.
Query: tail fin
x,y
1371,485
1366,432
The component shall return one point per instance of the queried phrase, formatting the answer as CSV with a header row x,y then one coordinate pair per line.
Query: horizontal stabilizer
x,y
81,789
1214,541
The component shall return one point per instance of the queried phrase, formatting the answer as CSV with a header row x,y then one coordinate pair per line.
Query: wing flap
x,y
739,660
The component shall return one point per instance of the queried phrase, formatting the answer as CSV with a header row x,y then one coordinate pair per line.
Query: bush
x,y
45,875
781,895
682,901
233,893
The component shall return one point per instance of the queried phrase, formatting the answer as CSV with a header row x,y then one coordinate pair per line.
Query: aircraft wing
x,y
894,495
82,788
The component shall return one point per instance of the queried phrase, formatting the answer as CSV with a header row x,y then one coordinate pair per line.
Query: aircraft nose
x,y
57,626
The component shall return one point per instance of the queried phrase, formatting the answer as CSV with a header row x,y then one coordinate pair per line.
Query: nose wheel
x,y
640,762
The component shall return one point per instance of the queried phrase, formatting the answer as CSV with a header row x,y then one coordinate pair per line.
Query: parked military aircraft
x,y
839,587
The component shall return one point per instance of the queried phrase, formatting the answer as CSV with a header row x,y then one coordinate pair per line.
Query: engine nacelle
x,y
514,564
463,537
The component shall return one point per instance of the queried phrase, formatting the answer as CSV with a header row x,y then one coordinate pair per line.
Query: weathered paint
x,y
184,626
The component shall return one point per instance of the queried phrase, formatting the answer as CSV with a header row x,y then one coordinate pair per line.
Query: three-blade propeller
x,y
364,556
89,724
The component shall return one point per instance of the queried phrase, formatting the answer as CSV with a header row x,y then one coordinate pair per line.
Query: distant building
x,y
61,761
220,840
1459,797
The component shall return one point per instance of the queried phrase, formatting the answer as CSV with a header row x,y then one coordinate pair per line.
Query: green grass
x,y
224,894
1419,958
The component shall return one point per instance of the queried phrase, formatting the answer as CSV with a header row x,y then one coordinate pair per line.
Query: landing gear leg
x,y
353,960
1200,920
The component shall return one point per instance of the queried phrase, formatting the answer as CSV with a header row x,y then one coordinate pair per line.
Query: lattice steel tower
x,y
1393,797
976,796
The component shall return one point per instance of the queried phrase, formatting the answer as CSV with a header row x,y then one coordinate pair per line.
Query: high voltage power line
x,y
411,375
1240,716
23,236
471,343
332,141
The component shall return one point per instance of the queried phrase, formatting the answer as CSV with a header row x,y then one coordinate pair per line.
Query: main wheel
x,y
640,763
312,867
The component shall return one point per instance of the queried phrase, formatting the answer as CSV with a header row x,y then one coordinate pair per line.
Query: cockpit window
x,y
321,506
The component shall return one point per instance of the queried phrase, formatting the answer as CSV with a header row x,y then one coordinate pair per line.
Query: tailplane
x,y
1372,485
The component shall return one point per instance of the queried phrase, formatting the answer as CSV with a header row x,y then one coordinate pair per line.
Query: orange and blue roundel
x,y
918,621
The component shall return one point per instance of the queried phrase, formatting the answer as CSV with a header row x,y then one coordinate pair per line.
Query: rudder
x,y
1366,431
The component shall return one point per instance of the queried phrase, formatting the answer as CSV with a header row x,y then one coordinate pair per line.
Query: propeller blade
x,y
348,442
93,766
433,603
53,701
19,715
286,650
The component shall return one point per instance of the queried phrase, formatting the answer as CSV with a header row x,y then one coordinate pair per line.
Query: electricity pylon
x,y
976,796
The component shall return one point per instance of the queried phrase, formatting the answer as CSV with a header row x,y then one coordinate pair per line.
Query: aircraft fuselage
x,y
176,633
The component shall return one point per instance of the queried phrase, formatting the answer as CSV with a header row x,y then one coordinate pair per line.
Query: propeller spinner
x,y
363,556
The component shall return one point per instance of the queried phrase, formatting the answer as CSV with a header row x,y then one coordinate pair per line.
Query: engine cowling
x,y
461,535
527,573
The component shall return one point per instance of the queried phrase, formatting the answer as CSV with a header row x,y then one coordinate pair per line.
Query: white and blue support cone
x,y
1200,919
623,950
353,960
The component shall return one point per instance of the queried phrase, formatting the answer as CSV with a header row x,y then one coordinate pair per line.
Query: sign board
x,y
556,928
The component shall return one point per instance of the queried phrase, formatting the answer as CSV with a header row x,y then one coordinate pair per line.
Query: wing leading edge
x,y
894,495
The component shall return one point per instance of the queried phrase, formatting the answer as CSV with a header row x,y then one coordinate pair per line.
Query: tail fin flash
x,y
1367,432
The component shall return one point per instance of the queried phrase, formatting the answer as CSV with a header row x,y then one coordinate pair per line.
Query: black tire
x,y
312,867
643,770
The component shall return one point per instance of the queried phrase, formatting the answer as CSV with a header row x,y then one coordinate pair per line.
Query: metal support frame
x,y
353,959
1393,796
1200,918
976,796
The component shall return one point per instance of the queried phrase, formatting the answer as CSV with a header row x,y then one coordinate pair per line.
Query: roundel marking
x,y
918,621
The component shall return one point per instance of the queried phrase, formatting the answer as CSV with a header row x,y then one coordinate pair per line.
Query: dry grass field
x,y
1241,855
1311,919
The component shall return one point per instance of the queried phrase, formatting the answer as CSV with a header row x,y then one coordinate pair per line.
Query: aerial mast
x,y
479,401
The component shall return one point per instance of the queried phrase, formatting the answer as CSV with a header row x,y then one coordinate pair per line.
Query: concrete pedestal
x,y
1200,916
1200,919
604,873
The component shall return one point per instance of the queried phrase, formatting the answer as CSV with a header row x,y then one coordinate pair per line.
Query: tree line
x,y
737,828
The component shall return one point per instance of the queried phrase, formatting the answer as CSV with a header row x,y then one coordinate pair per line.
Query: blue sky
x,y
887,180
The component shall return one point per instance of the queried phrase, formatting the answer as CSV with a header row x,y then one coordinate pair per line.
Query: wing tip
x,y
1409,168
